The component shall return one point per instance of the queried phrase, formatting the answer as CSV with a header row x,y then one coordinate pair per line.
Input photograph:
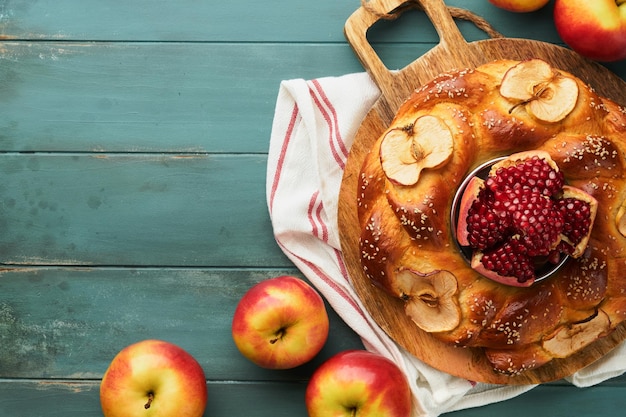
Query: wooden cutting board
x,y
453,52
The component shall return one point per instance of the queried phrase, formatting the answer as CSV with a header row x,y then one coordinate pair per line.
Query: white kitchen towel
x,y
314,124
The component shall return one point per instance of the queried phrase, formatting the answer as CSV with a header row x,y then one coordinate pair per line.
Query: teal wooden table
x,y
133,144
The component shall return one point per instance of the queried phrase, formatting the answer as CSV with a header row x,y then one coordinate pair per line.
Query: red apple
x,y
595,29
358,383
280,323
153,378
519,6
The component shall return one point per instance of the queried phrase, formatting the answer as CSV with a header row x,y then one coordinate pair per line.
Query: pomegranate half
x,y
522,216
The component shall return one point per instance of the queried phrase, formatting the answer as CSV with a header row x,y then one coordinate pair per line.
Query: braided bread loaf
x,y
411,247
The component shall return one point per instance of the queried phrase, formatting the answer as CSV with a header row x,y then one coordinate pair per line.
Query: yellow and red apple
x,y
519,6
280,323
358,383
595,29
153,378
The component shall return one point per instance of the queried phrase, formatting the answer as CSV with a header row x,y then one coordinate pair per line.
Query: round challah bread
x,y
485,179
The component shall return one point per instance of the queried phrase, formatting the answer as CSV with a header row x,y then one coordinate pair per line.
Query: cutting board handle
x,y
371,11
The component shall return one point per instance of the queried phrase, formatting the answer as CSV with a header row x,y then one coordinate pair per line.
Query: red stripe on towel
x,y
328,281
318,226
342,265
283,151
337,156
333,112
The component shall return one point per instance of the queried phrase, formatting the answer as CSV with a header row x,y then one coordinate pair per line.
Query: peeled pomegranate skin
x,y
521,214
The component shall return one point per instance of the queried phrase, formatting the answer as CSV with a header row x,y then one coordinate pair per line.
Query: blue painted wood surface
x,y
133,142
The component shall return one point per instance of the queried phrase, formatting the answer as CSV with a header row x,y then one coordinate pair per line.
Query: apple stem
x,y
279,335
539,90
150,398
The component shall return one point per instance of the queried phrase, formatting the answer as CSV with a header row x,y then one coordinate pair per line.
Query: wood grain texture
x,y
133,209
81,399
150,97
234,21
278,399
68,323
453,52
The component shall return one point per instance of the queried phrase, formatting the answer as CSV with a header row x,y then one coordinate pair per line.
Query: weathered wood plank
x,y
159,97
136,209
81,399
236,20
150,97
90,81
275,399
69,323
49,398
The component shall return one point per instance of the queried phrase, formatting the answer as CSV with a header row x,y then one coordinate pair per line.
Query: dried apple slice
x,y
571,338
430,299
547,94
406,151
